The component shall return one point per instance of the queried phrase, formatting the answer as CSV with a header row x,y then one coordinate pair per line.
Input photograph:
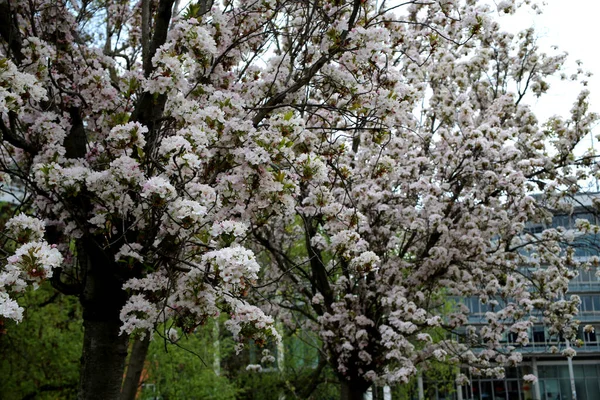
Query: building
x,y
542,358
557,376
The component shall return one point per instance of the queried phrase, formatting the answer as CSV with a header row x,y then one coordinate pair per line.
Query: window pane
x,y
548,371
584,276
486,390
586,304
499,390
560,220
596,301
586,216
593,391
565,390
512,389
591,337
538,335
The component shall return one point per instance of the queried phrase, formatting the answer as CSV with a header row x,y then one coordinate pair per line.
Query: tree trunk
x,y
353,390
104,349
103,360
135,368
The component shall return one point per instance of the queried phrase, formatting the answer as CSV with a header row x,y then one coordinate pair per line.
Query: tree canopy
x,y
380,153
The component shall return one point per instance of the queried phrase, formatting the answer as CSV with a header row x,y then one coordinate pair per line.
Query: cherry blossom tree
x,y
415,191
154,139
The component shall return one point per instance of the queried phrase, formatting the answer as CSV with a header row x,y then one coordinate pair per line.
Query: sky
x,y
573,26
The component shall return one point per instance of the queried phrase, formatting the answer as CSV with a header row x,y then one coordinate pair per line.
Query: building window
x,y
474,305
589,304
561,221
539,335
586,277
585,215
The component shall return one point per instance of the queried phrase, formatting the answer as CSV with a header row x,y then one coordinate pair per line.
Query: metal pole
x,y
570,363
536,385
420,385
216,348
571,374
387,393
280,350
458,386
471,385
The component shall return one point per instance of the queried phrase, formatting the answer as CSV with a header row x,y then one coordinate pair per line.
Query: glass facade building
x,y
541,357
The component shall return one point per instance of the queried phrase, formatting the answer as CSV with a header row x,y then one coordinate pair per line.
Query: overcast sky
x,y
573,26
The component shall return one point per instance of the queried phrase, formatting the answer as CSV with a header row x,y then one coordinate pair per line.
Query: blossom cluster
x,y
33,260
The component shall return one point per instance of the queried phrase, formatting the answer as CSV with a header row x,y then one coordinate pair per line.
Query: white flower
x,y
245,315
172,335
129,250
14,84
22,224
254,368
366,261
424,337
36,260
9,308
234,265
439,354
462,379
318,299
126,137
138,314
267,358
530,378
158,186
126,169
570,352
184,214
237,229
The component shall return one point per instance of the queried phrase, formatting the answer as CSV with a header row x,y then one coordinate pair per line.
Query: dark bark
x,y
76,141
104,349
161,28
149,108
9,133
135,368
353,390
9,30
320,279
103,360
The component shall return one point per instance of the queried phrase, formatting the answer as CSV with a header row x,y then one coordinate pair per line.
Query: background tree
x,y
152,141
40,355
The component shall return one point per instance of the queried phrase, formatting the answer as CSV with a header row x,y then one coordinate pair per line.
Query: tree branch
x,y
163,18
311,72
9,30
76,141
11,136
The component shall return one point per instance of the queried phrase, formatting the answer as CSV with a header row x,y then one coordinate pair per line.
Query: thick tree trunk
x,y
103,360
135,368
353,391
104,349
